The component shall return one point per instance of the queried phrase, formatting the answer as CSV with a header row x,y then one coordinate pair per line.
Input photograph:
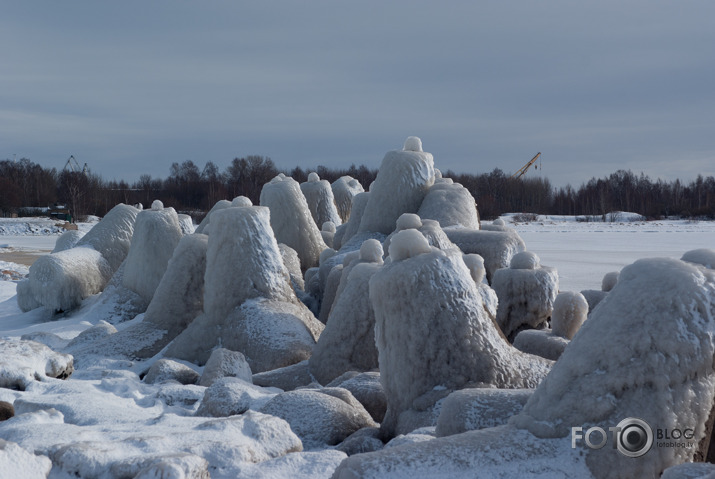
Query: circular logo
x,y
634,438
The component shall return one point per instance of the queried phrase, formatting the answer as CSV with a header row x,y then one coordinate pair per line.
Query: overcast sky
x,y
130,87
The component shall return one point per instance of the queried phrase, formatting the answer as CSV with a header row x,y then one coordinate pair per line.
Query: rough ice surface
x,y
371,251
479,408
320,417
541,342
16,462
451,204
62,280
243,262
225,363
401,185
612,370
702,256
156,234
475,264
229,396
345,189
220,205
496,247
407,244
291,219
610,280
292,264
569,313
287,378
348,341
350,229
67,240
26,361
186,224
178,299
321,202
440,339
526,295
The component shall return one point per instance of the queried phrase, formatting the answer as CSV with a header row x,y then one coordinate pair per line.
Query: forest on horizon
x,y
25,185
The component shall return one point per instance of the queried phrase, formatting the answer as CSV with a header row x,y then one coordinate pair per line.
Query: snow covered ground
x,y
112,417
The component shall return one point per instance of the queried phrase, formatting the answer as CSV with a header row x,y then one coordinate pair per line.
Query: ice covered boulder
x,y
320,417
363,440
569,313
433,334
402,182
167,370
291,219
26,361
526,292
345,189
496,247
702,256
16,462
479,408
62,280
225,363
367,389
203,227
228,396
451,204
321,201
86,338
68,240
286,378
156,233
348,341
610,371
541,342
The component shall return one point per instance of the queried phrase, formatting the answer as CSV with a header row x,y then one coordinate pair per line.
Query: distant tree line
x,y
194,190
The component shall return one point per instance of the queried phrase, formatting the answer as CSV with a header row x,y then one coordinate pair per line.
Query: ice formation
x,y
610,280
26,361
327,231
67,240
350,229
167,370
569,313
703,256
241,201
345,189
60,281
16,462
367,389
225,363
348,341
438,340
496,247
156,233
526,293
541,342
291,219
610,371
320,417
321,202
451,204
186,224
204,225
292,264
402,182
249,305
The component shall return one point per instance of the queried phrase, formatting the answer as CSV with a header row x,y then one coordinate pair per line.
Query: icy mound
x,y
407,244
541,342
320,199
496,247
345,189
204,225
291,220
610,371
610,280
569,313
703,256
67,240
156,233
433,336
450,204
186,224
526,293
346,231
60,281
26,361
401,185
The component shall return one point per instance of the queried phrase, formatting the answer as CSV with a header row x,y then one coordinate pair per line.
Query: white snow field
x,y
250,349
